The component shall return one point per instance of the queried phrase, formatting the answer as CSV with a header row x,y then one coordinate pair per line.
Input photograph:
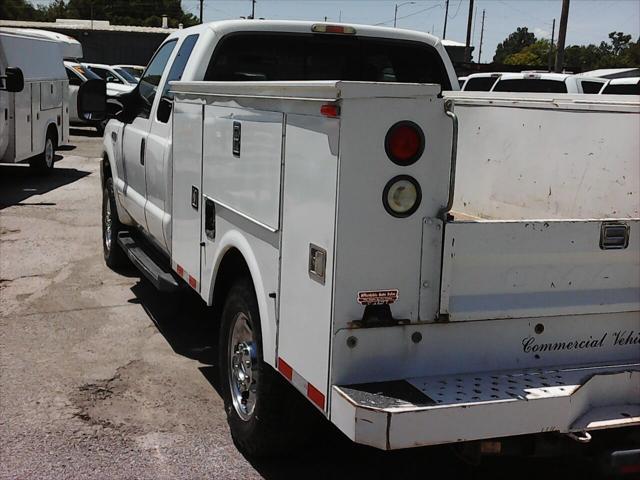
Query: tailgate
x,y
515,269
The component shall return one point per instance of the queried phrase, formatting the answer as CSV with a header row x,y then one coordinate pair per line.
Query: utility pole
x,y
253,9
562,35
201,2
481,38
467,47
446,14
395,12
553,32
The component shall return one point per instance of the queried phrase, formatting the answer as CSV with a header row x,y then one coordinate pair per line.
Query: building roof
x,y
73,24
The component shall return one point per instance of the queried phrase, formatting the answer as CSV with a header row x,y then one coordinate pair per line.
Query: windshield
x,y
126,75
283,56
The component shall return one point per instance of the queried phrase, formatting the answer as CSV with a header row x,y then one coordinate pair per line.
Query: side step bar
x,y
161,277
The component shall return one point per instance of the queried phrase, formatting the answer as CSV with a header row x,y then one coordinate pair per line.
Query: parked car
x,y
116,79
78,75
622,86
545,82
133,70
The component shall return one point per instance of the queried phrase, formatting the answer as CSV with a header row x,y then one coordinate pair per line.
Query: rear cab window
x,y
537,85
591,87
290,57
622,89
479,84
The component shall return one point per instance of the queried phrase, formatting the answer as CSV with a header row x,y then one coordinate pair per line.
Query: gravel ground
x,y
103,377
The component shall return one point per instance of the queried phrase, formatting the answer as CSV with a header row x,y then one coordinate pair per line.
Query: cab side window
x,y
177,69
150,80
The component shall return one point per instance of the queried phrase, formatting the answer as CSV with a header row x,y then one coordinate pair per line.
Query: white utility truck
x,y
301,176
34,121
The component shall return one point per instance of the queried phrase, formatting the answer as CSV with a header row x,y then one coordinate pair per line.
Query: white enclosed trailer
x,y
34,121
316,218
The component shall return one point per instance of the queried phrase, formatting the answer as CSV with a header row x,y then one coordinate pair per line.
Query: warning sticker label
x,y
378,297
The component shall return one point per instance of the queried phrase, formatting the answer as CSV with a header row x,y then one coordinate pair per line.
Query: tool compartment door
x,y
187,185
516,269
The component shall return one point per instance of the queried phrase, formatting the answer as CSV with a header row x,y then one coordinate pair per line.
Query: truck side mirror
x,y
92,100
13,79
164,109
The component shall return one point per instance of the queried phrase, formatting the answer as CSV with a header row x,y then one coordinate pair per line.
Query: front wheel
x,y
114,256
259,404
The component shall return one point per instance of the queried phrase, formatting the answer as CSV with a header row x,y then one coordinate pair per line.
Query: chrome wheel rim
x,y
107,225
242,371
48,153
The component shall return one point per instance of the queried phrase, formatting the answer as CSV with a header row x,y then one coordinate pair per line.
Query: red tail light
x,y
330,110
404,143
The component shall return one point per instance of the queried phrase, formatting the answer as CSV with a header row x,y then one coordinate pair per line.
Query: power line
x,y
457,10
410,14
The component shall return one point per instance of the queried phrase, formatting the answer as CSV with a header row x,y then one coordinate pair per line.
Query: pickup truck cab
x,y
423,266
547,83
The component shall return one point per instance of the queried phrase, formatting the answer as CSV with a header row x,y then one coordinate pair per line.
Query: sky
x,y
590,21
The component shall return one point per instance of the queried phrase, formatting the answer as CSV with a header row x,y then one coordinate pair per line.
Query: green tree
x,y
536,54
618,52
118,12
514,43
17,10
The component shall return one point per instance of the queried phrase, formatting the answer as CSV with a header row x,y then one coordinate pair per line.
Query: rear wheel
x,y
260,406
114,256
43,163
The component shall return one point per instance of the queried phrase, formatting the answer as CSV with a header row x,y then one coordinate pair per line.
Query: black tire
x,y
101,126
272,428
44,162
114,256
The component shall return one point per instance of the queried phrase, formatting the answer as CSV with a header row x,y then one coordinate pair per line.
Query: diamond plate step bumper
x,y
444,409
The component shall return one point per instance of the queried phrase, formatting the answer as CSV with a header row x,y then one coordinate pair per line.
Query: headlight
x,y
401,196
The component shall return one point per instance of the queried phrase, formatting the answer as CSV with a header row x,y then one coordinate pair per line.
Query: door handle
x,y
142,150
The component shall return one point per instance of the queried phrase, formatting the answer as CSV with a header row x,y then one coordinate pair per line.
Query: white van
x,y
34,121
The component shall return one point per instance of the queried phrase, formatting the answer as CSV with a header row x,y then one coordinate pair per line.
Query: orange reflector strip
x,y
329,110
315,396
285,369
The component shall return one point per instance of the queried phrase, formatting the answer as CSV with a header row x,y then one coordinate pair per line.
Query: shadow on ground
x,y
84,132
186,324
19,182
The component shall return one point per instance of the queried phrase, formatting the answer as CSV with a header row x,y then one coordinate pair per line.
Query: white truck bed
x,y
503,313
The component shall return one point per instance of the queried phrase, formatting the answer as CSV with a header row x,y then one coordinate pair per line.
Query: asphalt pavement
x,y
103,377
